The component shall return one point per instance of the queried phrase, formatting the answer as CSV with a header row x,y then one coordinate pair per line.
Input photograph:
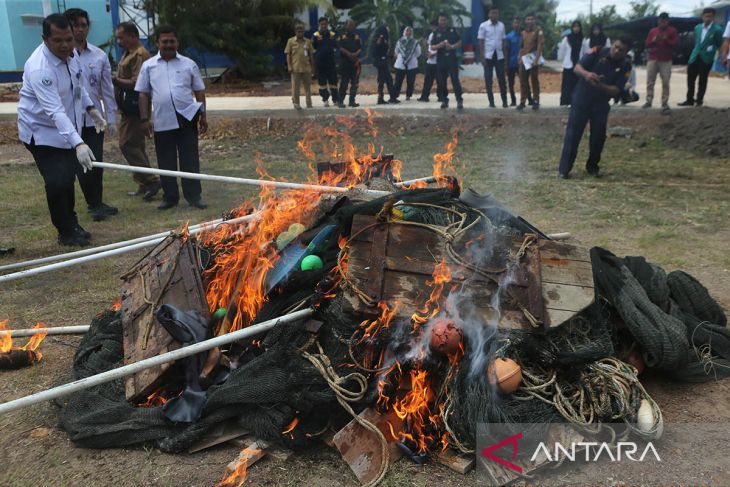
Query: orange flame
x,y
441,276
290,427
156,399
116,305
443,163
238,475
415,410
6,339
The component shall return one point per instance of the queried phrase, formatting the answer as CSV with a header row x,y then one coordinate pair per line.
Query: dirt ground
x,y
659,198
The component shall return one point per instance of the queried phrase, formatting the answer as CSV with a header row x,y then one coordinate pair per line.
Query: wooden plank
x,y
551,249
457,462
220,434
567,272
567,298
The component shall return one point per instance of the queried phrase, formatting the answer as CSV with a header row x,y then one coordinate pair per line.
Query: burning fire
x,y
441,276
156,399
6,341
116,305
415,409
290,427
238,475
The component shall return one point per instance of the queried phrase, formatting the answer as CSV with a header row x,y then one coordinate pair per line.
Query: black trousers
x,y
350,77
327,79
384,80
410,77
583,111
701,69
512,73
91,182
446,70
179,143
58,169
567,86
428,80
490,66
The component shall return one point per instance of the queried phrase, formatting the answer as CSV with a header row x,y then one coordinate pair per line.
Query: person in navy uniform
x,y
97,78
350,50
445,42
324,42
53,104
602,75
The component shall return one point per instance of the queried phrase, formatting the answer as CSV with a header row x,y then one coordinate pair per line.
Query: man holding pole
x,y
51,111
171,80
131,133
97,79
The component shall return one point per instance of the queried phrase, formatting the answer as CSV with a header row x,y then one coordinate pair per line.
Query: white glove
x,y
111,129
99,122
85,156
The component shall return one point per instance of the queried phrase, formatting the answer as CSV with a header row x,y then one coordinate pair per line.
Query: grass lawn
x,y
667,204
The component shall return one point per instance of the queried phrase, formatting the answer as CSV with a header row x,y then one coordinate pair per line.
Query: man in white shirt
x,y
96,74
171,80
53,103
492,49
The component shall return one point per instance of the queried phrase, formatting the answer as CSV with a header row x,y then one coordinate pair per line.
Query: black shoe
x,y
98,214
80,232
698,103
198,204
394,101
521,106
381,101
444,105
73,240
686,103
596,174
423,99
536,106
166,205
408,98
505,104
564,176
352,104
151,191
104,208
514,103
460,105
492,105
340,105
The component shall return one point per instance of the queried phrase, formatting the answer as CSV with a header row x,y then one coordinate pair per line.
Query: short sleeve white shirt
x,y
726,35
431,53
171,84
53,101
97,77
492,37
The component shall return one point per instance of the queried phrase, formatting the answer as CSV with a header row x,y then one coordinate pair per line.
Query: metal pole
x,y
164,358
54,330
427,180
107,253
231,179
102,248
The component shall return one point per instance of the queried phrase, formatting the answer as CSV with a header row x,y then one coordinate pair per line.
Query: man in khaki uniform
x,y
533,41
300,63
131,130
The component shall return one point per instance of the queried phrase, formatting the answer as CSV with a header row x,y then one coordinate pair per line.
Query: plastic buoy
x,y
311,262
445,337
506,373
219,314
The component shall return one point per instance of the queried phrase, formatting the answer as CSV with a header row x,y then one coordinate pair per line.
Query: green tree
x,y
244,30
643,8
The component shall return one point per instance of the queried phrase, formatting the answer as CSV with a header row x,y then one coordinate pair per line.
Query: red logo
x,y
512,440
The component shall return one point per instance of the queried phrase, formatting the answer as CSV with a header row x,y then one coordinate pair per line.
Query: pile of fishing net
x,y
574,373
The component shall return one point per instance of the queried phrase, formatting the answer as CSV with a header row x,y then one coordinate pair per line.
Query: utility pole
x,y
590,10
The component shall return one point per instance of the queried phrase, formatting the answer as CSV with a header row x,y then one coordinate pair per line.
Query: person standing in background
x,y
725,51
131,131
51,111
660,43
492,53
300,64
96,74
407,52
171,80
708,38
445,42
533,41
569,53
380,49
596,41
431,71
324,42
514,41
350,66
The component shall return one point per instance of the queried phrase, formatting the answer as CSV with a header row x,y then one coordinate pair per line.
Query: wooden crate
x,y
169,274
393,262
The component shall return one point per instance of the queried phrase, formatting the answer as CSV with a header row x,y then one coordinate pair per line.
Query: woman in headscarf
x,y
381,46
407,52
569,53
596,41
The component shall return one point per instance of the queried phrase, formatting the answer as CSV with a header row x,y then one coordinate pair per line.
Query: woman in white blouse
x,y
407,52
569,53
596,41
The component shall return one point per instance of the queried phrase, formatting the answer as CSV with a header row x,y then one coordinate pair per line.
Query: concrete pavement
x,y
718,96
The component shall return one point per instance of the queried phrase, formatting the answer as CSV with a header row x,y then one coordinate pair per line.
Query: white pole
x,y
427,179
54,330
164,358
101,248
107,253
